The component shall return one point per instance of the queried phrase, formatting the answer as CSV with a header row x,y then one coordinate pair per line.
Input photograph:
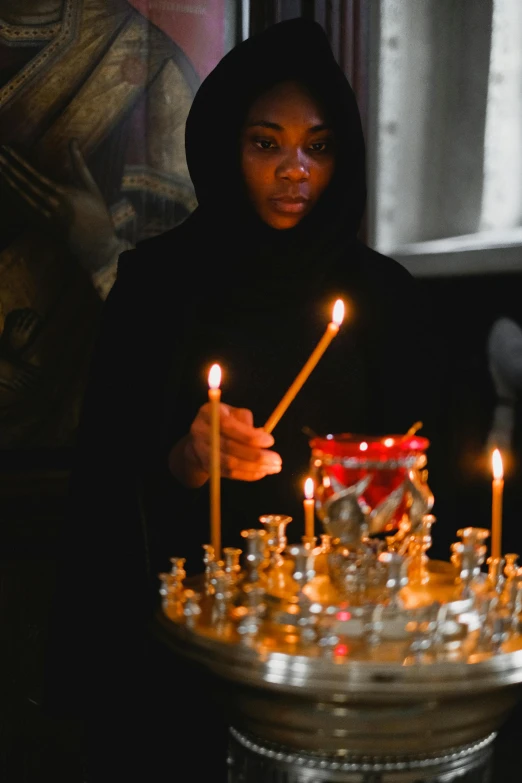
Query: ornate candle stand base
x,y
253,761
358,660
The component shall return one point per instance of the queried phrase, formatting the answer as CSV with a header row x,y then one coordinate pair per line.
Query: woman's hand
x,y
244,449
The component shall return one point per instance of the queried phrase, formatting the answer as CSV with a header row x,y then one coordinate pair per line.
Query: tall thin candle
x,y
496,507
331,330
214,396
308,505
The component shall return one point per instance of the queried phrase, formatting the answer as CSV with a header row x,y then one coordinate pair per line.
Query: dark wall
x,y
32,746
460,466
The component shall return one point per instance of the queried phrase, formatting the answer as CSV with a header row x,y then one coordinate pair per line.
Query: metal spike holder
x,y
356,659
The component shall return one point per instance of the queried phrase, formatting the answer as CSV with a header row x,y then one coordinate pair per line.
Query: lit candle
x,y
496,508
308,505
322,345
214,396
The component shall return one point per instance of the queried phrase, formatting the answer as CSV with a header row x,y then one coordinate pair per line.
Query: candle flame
x,y
309,488
338,312
214,376
498,470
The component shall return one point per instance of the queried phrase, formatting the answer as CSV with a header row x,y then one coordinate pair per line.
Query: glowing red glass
x,y
346,458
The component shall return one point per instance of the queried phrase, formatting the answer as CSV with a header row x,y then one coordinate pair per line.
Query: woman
x,y
276,155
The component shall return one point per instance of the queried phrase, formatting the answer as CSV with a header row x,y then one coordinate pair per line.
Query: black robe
x,y
221,287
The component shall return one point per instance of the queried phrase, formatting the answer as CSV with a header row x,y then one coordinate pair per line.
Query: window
x,y
445,140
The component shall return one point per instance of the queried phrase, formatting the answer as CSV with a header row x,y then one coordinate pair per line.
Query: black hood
x,y
297,49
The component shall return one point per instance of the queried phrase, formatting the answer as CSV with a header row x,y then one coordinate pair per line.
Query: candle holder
x,y
378,470
278,576
361,659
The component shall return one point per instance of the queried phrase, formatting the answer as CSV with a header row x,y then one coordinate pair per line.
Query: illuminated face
x,y
287,154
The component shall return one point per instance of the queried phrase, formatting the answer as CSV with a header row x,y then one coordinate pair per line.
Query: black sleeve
x,y
104,665
102,579
403,345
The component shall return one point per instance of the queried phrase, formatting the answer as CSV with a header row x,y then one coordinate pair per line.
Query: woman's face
x,y
287,154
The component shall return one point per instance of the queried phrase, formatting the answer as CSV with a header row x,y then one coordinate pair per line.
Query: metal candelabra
x,y
354,656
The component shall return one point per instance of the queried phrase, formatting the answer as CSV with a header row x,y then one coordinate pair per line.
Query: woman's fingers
x,y
239,457
243,463
240,428
239,475
244,453
237,424
243,415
